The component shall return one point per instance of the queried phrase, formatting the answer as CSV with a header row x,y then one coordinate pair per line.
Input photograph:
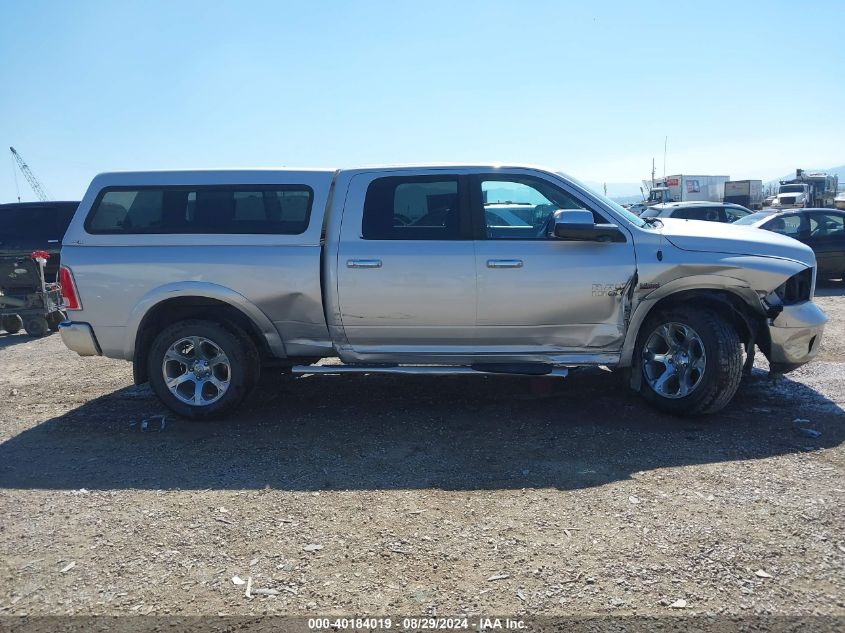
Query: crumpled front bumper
x,y
79,337
796,334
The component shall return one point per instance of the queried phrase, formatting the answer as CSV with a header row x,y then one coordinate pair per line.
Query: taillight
x,y
69,293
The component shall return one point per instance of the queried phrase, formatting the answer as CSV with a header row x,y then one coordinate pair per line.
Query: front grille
x,y
788,200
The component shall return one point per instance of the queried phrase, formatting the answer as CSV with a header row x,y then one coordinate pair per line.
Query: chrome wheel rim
x,y
196,371
674,361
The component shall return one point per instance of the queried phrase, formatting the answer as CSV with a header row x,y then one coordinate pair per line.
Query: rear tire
x,y
12,323
202,369
54,318
36,326
698,371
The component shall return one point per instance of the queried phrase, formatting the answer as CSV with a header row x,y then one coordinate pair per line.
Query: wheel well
x,y
749,325
181,308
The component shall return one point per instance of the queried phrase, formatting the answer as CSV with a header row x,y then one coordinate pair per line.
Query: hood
x,y
795,194
717,237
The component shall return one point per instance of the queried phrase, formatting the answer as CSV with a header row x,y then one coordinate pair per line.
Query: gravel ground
x,y
416,495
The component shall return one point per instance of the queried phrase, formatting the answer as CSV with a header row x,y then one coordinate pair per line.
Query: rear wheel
x,y
691,361
36,326
201,369
12,323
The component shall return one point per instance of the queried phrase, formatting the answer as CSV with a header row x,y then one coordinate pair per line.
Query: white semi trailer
x,y
682,188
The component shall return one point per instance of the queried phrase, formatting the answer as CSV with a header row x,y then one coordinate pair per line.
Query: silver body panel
x,y
329,292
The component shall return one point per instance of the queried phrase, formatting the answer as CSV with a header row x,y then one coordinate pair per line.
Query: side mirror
x,y
578,225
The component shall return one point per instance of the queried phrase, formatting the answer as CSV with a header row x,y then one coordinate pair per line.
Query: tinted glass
x,y
732,214
34,224
277,209
412,208
516,208
785,225
709,214
826,225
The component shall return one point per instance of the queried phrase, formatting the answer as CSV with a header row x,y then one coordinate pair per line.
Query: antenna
x,y
665,145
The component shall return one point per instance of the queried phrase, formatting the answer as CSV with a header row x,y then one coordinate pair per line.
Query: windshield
x,y
791,188
753,218
631,217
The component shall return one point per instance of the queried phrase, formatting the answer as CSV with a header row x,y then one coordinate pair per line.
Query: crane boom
x,y
37,187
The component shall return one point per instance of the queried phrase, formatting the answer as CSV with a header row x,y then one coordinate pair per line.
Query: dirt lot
x,y
412,495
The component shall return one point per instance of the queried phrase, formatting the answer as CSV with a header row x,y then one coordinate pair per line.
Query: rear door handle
x,y
363,263
504,263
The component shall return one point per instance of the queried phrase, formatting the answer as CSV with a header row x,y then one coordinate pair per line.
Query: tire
x,y
195,376
12,323
704,367
36,326
54,318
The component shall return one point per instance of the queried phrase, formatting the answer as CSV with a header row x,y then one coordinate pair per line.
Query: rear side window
x,y
709,214
412,208
251,209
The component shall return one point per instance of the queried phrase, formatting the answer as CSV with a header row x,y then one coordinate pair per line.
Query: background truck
x,y
203,279
682,188
747,193
807,190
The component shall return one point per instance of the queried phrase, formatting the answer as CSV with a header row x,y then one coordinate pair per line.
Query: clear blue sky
x,y
747,89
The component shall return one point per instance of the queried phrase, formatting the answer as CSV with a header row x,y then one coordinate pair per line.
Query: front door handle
x,y
363,263
504,263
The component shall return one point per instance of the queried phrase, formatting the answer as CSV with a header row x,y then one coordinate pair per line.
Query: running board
x,y
435,370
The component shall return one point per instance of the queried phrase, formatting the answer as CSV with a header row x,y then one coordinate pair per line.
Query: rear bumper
x,y
796,334
79,337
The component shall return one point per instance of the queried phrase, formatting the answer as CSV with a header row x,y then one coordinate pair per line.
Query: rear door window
x,y
414,208
248,209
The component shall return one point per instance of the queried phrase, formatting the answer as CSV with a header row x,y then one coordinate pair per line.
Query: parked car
x,y
839,200
26,227
399,270
637,208
768,200
823,230
708,211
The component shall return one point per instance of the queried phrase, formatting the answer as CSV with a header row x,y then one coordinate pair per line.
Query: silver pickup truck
x,y
201,278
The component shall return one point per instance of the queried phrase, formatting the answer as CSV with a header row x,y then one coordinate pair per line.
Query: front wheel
x,y
691,361
201,369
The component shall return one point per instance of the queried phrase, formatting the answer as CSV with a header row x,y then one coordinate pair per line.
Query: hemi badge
x,y
649,286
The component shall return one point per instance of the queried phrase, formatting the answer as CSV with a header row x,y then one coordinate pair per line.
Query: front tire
x,y
201,369
690,361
